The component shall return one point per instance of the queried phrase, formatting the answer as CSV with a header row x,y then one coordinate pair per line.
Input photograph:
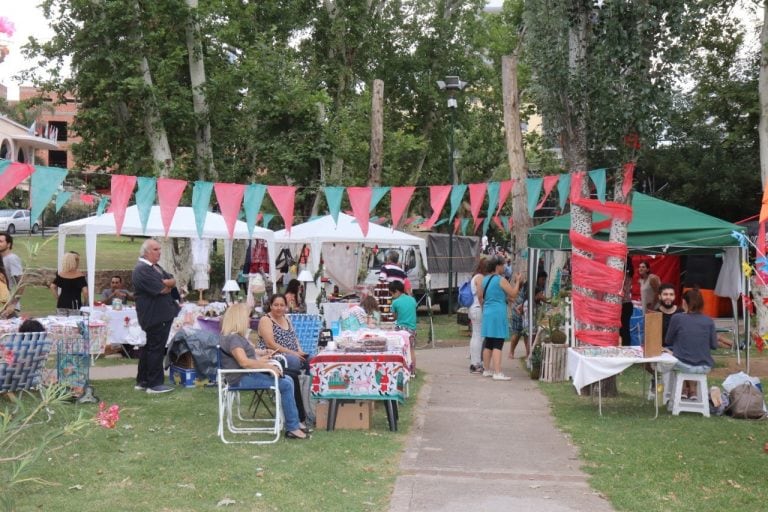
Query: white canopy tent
x,y
324,230
182,226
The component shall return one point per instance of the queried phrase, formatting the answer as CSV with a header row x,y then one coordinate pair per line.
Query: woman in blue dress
x,y
493,294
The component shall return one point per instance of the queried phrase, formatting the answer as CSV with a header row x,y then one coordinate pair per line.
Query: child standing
x,y
404,308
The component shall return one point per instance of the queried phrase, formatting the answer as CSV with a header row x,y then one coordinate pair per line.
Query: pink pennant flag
x,y
456,224
629,174
168,196
438,194
476,197
549,183
497,221
230,197
400,197
284,197
87,198
478,222
14,174
360,199
505,187
122,188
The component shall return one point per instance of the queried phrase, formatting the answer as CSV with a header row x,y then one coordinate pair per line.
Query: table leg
x,y
656,390
392,415
600,397
333,409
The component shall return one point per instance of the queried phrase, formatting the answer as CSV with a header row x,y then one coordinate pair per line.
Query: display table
x,y
587,365
122,326
339,375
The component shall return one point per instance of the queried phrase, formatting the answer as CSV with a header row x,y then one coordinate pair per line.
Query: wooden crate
x,y
553,363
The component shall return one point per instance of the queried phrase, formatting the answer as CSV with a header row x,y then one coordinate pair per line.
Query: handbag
x,y
746,402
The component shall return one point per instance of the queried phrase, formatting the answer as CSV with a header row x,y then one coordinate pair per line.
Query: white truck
x,y
462,251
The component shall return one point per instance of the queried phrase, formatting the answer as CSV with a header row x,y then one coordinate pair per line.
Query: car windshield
x,y
6,213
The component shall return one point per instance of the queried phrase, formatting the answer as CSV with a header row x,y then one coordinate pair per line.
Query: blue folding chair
x,y
22,360
231,413
307,329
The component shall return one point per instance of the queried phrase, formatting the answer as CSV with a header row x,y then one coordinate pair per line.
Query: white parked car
x,y
16,220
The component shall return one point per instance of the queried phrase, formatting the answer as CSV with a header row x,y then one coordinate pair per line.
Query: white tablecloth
x,y
122,325
587,369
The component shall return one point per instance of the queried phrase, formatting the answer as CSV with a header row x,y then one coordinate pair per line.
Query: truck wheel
x,y
11,229
35,228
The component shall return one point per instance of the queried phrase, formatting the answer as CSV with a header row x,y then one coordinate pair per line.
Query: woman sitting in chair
x,y
690,337
276,333
237,352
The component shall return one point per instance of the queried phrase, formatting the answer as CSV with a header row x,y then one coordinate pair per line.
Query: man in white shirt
x,y
13,268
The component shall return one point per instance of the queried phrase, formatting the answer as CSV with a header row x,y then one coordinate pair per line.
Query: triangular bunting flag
x,y
378,195
563,189
13,174
457,194
497,221
360,200
252,199
145,198
267,219
333,196
598,178
534,190
122,188
438,194
201,201
476,198
400,198
61,199
464,226
477,224
493,197
505,187
284,197
44,183
456,224
87,199
230,197
549,183
168,196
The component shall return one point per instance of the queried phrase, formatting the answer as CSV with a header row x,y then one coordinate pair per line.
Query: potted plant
x,y
536,356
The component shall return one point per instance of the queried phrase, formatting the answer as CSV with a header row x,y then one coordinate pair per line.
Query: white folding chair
x,y
231,417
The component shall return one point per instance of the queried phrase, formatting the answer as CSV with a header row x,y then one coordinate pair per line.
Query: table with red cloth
x,y
339,375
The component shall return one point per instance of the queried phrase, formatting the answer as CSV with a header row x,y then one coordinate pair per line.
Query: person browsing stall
x,y
70,286
155,311
293,296
476,318
404,308
116,290
493,296
649,286
276,333
690,337
14,271
237,352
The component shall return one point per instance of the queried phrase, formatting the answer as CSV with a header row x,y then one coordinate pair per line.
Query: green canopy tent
x,y
657,227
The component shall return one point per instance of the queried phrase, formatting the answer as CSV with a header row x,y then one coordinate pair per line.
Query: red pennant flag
x,y
505,187
87,198
438,194
497,220
284,198
477,224
549,183
15,173
629,174
230,197
360,199
456,224
400,197
122,188
476,197
168,196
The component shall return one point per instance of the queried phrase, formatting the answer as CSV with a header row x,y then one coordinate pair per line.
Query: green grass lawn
x,y
112,252
164,454
679,463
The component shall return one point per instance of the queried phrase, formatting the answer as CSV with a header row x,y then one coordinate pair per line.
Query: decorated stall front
x,y
183,225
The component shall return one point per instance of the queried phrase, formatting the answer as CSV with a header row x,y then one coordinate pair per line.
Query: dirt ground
x,y
758,367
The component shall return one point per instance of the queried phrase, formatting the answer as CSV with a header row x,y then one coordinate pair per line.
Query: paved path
x,y
484,445
477,444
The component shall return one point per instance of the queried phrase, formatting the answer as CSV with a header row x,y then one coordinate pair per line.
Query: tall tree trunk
x,y
203,147
377,134
518,168
153,125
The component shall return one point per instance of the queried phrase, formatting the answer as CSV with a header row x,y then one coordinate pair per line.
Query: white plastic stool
x,y
700,405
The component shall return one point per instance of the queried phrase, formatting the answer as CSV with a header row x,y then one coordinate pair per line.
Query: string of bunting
x,y
232,198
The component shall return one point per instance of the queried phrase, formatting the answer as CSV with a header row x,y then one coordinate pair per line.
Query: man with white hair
x,y
155,309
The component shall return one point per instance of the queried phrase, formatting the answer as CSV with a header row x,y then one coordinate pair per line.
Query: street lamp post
x,y
451,84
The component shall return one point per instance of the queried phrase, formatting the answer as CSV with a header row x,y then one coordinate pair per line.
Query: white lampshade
x,y
231,286
305,276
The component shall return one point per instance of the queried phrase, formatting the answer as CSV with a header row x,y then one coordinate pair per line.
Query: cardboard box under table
x,y
351,415
338,376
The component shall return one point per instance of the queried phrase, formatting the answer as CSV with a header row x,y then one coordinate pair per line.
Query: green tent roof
x,y
657,227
